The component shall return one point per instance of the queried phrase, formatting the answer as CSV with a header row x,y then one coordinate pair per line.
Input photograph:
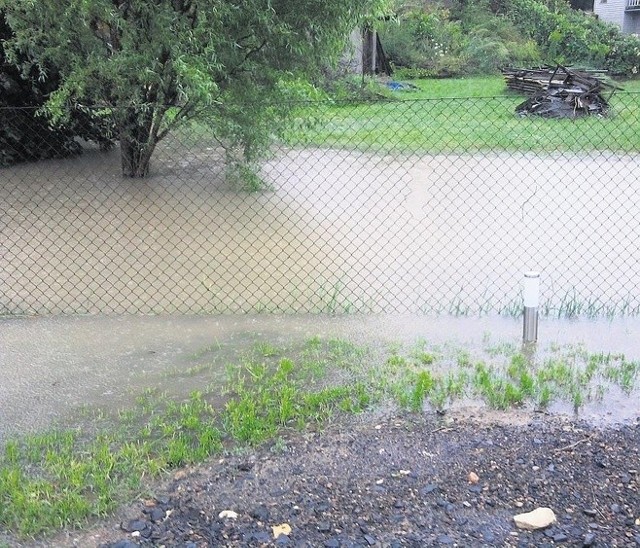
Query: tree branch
x,y
240,66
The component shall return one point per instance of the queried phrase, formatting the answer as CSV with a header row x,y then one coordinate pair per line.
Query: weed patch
x,y
63,478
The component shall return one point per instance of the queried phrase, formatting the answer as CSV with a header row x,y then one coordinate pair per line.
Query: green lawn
x,y
477,86
487,86
460,115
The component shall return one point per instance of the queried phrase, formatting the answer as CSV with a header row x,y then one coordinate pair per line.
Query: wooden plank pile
x,y
559,92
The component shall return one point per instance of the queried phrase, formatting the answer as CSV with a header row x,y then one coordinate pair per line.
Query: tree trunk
x,y
137,143
135,157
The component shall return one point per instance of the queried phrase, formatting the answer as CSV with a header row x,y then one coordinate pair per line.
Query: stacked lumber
x,y
558,93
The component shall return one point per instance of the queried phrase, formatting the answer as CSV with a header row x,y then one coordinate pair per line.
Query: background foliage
x,y
458,37
27,133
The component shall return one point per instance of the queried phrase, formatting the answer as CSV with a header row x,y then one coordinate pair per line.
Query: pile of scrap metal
x,y
559,92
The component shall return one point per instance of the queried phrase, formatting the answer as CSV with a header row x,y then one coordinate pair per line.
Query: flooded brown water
x,y
338,231
53,367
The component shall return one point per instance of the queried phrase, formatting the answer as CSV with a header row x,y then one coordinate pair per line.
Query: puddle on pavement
x,y
53,367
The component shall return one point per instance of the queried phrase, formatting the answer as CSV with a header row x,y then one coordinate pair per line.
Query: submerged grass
x,y
62,478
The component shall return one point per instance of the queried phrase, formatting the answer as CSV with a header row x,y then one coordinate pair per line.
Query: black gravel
x,y
400,481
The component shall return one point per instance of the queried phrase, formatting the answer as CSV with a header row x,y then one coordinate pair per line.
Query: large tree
x,y
151,64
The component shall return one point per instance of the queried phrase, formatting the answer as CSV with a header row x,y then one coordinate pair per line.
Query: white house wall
x,y
632,23
610,10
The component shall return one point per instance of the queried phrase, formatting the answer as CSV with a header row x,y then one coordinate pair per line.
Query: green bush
x,y
425,39
350,88
568,36
414,73
482,36
487,53
455,42
624,56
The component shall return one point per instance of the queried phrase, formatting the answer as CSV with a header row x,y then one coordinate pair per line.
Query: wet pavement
x,y
52,367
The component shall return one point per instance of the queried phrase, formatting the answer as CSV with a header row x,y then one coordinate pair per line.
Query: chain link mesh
x,y
413,206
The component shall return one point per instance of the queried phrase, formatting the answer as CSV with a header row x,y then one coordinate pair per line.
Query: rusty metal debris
x,y
559,92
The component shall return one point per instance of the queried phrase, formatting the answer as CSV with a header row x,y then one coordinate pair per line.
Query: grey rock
x,y
589,540
261,513
262,537
134,525
427,489
488,536
157,514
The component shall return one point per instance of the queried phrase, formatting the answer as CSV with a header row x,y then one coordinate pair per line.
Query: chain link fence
x,y
405,206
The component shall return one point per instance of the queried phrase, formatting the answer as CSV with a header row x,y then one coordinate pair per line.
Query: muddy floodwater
x,y
54,367
334,231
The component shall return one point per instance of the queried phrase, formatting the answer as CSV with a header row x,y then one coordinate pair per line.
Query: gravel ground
x,y
399,480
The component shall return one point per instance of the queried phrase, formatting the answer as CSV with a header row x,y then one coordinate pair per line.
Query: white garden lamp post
x,y
531,297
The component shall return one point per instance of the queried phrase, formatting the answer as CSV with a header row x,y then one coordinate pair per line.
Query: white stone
x,y
537,519
284,529
227,514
